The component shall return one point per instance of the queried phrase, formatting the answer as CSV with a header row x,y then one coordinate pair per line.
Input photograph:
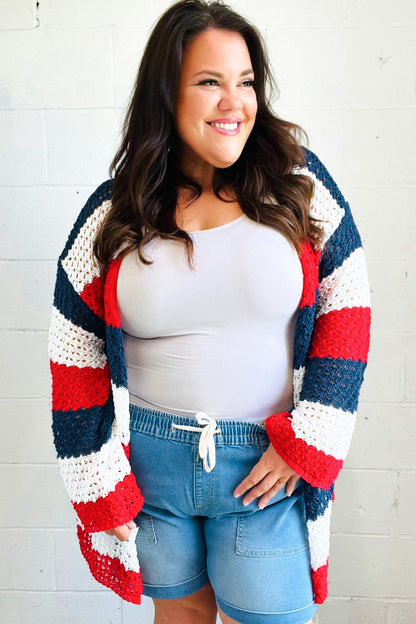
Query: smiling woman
x,y
208,342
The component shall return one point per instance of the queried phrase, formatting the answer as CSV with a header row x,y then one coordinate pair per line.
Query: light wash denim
x,y
192,530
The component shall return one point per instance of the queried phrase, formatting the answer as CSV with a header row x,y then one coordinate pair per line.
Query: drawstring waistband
x,y
206,445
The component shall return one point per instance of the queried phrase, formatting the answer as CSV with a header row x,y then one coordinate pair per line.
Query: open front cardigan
x,y
90,398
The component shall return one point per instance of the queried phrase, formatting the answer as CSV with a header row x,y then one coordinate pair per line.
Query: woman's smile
x,y
228,126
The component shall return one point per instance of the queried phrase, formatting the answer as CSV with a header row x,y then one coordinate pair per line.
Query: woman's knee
x,y
198,608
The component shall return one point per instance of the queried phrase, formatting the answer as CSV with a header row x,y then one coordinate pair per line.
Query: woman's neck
x,y
205,212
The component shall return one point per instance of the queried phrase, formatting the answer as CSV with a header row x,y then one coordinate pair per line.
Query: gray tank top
x,y
217,338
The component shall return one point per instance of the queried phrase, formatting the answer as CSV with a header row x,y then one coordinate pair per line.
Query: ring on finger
x,y
281,482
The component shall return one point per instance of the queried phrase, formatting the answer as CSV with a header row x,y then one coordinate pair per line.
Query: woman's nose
x,y
230,100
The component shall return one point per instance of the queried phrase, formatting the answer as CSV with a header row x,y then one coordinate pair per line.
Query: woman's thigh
x,y
170,541
258,563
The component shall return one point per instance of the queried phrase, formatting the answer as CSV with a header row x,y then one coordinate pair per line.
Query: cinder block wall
x,y
346,71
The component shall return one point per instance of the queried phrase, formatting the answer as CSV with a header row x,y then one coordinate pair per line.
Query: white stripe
x,y
80,263
318,531
73,346
324,207
94,476
122,411
327,428
346,287
110,546
298,375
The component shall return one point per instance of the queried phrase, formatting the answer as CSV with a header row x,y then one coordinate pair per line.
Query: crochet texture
x,y
90,398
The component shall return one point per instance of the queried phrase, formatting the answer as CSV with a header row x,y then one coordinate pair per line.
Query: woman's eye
x,y
210,82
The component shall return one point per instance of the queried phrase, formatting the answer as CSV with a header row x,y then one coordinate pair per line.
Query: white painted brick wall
x,y
346,71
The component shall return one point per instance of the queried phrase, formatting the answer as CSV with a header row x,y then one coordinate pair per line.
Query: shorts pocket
x,y
271,533
146,533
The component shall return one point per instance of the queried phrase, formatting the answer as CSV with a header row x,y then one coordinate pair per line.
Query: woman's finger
x,y
291,484
253,478
261,488
269,495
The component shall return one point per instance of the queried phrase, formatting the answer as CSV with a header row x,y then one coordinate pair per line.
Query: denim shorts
x,y
192,530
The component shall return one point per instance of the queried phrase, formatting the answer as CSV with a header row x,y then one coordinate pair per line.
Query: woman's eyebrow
x,y
211,72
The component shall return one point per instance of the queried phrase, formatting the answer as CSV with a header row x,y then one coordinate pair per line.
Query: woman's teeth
x,y
224,126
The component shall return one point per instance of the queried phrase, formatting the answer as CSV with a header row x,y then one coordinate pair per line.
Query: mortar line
x,y
26,464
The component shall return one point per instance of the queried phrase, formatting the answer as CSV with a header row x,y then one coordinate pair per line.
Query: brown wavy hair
x,y
144,170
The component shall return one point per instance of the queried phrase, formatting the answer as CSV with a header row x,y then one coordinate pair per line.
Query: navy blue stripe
x,y
303,332
333,381
346,237
342,243
316,501
101,194
115,354
82,431
321,172
70,304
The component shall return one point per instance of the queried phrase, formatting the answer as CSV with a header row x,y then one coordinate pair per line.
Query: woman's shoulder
x,y
101,195
103,190
91,215
99,199
316,169
328,204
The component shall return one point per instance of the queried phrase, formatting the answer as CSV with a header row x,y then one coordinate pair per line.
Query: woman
x,y
208,341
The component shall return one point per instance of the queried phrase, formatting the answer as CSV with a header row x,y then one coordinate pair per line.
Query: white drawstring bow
x,y
206,447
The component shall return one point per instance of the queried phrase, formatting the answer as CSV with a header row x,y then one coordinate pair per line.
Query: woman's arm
x,y
315,437
331,346
92,458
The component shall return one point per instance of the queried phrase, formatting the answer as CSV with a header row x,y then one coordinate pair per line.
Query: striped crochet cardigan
x,y
91,400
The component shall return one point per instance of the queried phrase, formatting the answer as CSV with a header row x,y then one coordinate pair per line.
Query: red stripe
x,y
320,583
342,334
126,449
93,295
79,388
112,316
309,260
313,465
110,571
115,509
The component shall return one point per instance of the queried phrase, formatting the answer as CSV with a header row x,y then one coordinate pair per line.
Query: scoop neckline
x,y
218,227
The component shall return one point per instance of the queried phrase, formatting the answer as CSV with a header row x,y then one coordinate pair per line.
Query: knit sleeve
x,y
331,344
91,452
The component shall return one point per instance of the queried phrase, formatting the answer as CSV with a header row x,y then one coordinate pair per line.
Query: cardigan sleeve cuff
x,y
313,465
117,508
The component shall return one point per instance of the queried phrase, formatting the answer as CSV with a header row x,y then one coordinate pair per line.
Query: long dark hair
x,y
144,170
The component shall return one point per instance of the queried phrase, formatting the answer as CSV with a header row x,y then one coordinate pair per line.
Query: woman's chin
x,y
226,160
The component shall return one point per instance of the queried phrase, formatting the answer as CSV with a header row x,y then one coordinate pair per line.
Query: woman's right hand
x,y
122,532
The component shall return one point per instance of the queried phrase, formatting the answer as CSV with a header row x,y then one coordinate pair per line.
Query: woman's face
x,y
216,105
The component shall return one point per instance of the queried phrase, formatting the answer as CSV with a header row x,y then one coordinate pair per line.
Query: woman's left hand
x,y
123,531
268,476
